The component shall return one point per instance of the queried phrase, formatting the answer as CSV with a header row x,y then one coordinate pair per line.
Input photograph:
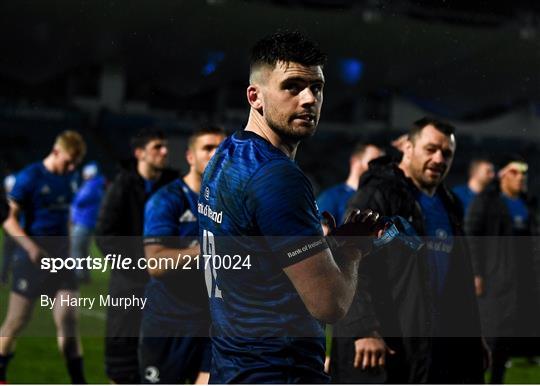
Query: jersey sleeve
x,y
23,188
161,217
280,199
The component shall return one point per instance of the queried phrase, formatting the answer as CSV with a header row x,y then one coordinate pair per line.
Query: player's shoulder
x,y
279,179
254,148
276,172
334,190
171,192
29,176
244,155
459,189
31,171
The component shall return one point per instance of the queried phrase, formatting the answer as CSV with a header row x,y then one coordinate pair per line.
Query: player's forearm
x,y
335,293
347,260
167,259
335,298
14,229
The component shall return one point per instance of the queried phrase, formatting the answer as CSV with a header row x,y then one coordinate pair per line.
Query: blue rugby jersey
x,y
465,195
262,331
334,200
44,198
178,298
519,213
440,239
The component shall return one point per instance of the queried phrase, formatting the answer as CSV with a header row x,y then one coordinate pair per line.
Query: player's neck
x,y
148,172
475,186
354,177
193,181
353,180
509,192
48,162
257,124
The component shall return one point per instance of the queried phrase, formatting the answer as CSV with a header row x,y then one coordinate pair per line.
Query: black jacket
x,y
508,263
119,230
394,296
4,208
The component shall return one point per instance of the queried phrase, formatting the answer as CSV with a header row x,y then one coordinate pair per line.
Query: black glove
x,y
358,230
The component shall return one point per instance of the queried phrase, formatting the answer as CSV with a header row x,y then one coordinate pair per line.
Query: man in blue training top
x,y
174,345
271,277
84,213
334,199
481,173
503,219
42,194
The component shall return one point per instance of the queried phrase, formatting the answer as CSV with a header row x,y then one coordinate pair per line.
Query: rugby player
x,y
506,268
122,214
481,173
42,195
257,207
334,199
415,317
174,345
9,245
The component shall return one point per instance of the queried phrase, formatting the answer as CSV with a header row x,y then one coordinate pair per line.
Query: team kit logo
x,y
151,374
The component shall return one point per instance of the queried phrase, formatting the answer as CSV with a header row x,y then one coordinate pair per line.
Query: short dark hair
x,y
286,46
417,127
210,129
144,136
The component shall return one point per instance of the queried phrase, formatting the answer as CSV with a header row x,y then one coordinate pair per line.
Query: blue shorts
x,y
31,282
171,359
267,361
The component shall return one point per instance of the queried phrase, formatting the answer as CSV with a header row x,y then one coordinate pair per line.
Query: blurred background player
x,y
408,301
42,194
9,244
84,212
257,204
481,173
334,199
505,265
122,214
175,343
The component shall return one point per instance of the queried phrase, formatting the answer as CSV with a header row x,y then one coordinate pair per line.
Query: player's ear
x,y
407,148
254,95
189,157
138,152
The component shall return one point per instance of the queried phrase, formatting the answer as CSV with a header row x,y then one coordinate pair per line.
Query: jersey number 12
x,y
210,274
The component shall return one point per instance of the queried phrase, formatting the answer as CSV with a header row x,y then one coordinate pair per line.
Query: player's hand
x,y
370,352
360,223
357,231
479,285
